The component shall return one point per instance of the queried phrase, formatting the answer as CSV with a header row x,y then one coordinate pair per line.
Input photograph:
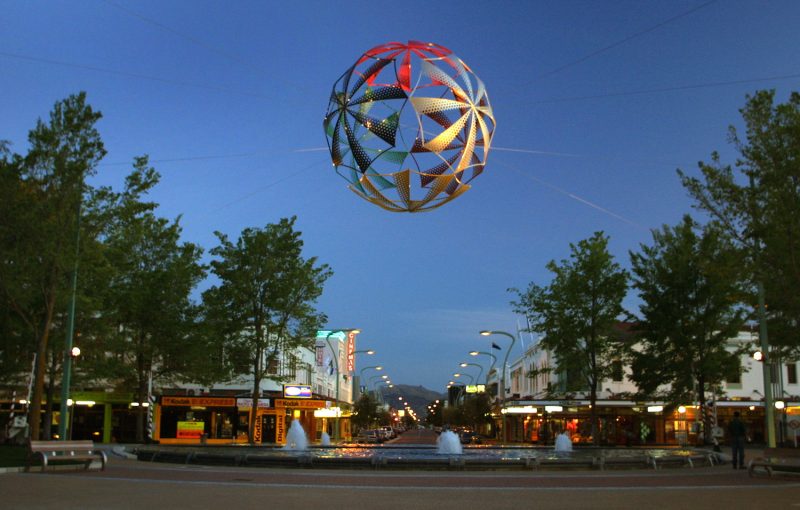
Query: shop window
x,y
791,373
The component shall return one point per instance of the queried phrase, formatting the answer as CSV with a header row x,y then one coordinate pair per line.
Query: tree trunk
x,y
35,413
47,427
593,414
141,393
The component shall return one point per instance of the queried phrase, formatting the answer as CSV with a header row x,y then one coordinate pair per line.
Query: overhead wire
x,y
187,158
201,43
576,197
234,57
622,41
255,191
128,74
667,89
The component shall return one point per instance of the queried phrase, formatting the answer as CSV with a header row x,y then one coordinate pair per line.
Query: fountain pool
x,y
429,457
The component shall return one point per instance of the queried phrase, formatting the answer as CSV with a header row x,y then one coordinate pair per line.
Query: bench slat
x,y
65,451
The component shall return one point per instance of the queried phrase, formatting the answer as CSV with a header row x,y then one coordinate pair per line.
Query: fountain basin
x,y
427,458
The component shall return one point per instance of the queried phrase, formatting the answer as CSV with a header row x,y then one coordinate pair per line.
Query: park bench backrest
x,y
782,452
61,446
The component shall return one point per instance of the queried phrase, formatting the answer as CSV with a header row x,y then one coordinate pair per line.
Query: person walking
x,y
738,434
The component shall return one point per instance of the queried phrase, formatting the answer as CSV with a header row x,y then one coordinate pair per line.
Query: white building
x,y
537,405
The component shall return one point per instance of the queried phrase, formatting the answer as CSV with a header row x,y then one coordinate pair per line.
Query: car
x,y
469,437
388,432
369,436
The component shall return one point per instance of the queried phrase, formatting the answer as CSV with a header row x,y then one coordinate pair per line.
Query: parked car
x,y
469,437
370,436
388,432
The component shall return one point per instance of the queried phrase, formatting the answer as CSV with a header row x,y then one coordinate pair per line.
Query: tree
x,y
365,412
148,293
577,312
40,222
264,302
691,295
757,203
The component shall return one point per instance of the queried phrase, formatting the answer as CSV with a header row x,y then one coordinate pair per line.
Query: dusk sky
x,y
597,104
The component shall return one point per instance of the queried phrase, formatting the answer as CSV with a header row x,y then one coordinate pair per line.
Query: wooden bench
x,y
776,459
71,452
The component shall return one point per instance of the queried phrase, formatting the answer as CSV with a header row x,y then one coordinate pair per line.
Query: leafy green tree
x,y
577,312
264,303
45,189
757,203
477,410
148,297
691,294
365,412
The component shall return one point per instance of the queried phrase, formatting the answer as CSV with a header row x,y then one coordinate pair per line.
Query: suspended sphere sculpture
x,y
409,126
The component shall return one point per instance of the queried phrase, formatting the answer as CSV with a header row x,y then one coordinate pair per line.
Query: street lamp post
x,y
379,394
71,354
503,377
471,379
464,364
494,360
335,356
361,378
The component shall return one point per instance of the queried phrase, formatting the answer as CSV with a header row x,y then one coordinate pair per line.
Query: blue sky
x,y
597,104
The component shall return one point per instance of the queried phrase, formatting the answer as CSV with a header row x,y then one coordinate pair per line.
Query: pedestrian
x,y
738,434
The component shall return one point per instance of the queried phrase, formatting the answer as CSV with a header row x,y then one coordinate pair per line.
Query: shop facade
x,y
225,420
626,423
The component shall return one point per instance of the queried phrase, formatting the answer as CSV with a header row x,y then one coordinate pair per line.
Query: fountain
x,y
563,443
446,454
449,443
296,439
324,439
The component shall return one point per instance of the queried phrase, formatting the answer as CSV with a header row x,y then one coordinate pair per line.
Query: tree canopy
x,y
577,313
691,293
264,302
756,201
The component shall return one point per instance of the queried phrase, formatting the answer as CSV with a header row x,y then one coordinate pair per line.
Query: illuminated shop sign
x,y
198,401
476,388
296,391
190,429
247,403
300,404
351,351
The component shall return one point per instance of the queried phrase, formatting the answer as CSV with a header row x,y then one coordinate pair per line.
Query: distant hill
x,y
417,396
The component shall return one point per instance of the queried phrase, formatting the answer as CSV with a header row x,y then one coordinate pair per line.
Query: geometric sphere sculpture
x,y
409,126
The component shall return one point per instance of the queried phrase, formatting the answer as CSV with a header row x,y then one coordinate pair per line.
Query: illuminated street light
x,y
494,360
503,377
471,379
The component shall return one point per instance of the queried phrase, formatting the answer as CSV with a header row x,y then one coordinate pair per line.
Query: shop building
x,y
537,405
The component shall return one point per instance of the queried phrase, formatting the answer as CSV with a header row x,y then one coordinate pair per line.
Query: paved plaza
x,y
130,484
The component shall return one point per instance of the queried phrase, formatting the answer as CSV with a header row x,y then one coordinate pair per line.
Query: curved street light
x,y
494,360
464,364
503,377
471,379
335,357
376,367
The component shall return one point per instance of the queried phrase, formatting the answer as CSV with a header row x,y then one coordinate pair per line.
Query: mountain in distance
x,y
418,397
